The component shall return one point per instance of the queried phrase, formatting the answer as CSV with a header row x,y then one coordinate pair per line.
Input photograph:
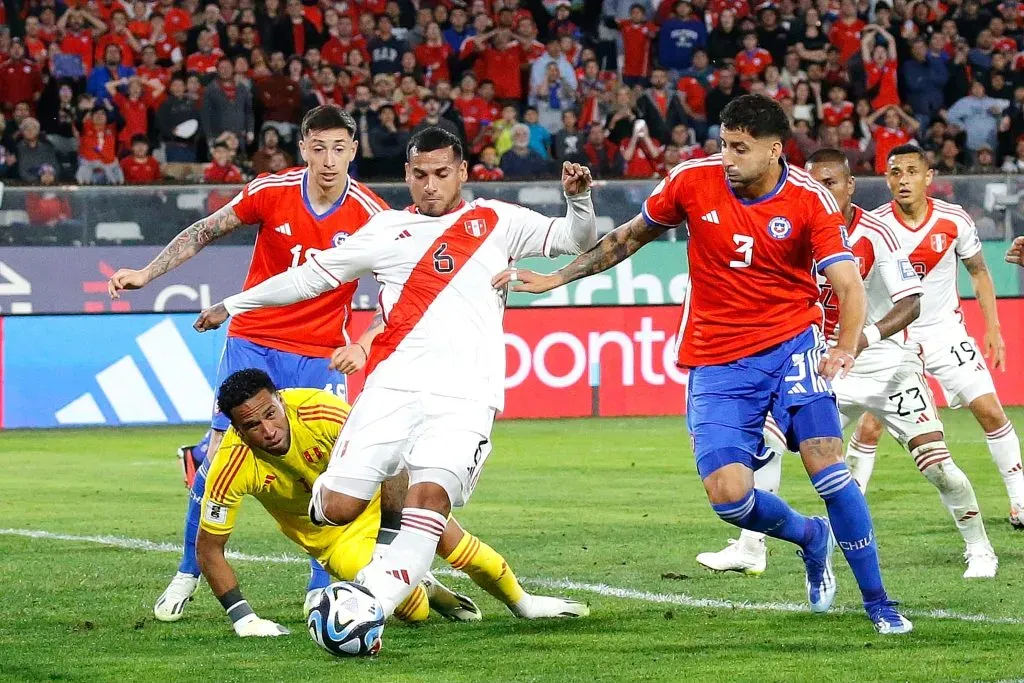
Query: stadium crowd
x,y
123,91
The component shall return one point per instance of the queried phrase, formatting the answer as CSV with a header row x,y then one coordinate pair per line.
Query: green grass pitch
x,y
608,504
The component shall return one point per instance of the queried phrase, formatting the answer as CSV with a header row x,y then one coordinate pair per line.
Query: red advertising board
x,y
554,355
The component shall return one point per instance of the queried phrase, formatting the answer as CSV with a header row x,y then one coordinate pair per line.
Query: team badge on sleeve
x,y
215,512
780,228
476,227
339,238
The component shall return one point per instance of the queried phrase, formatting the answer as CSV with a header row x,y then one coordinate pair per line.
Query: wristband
x,y
235,605
872,334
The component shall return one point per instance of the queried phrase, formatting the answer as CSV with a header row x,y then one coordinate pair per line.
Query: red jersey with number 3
x,y
290,233
751,262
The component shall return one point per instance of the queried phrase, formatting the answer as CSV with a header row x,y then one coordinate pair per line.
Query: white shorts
x,y
955,360
900,399
439,439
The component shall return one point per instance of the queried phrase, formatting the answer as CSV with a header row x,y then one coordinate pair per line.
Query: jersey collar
x,y
765,197
334,207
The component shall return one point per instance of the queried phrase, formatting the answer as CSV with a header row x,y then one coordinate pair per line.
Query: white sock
x,y
860,460
954,487
393,574
1005,449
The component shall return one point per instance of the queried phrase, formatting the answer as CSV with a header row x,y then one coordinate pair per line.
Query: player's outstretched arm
x,y
985,290
220,576
1015,254
614,248
187,244
320,273
848,286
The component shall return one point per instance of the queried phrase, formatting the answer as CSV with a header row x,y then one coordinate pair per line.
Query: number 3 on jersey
x,y
745,248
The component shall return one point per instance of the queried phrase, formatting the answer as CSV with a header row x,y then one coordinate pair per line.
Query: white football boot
x,y
170,606
545,607
982,562
744,556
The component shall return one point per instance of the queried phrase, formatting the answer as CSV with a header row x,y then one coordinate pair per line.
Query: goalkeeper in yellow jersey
x,y
278,444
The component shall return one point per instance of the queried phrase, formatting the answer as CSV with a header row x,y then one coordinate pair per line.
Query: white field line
x,y
677,599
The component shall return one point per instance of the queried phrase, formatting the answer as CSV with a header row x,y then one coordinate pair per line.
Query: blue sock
x,y
768,514
318,576
851,525
189,562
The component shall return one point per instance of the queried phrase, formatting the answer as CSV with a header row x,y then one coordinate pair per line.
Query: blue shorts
x,y
727,404
287,370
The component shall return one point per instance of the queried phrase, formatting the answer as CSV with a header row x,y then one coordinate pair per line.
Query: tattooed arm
x,y
187,244
614,248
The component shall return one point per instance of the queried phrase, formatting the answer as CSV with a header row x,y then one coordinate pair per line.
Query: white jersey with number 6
x,y
443,318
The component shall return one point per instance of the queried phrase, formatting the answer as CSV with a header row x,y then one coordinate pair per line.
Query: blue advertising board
x,y
107,370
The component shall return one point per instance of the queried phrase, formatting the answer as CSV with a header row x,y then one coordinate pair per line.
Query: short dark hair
x,y
326,117
829,155
757,115
907,149
222,145
434,138
240,386
139,137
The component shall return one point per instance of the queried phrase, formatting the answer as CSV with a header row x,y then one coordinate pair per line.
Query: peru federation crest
x,y
476,227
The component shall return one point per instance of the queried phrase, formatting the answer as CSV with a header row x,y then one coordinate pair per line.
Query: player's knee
x,y
989,413
429,495
869,430
339,509
730,483
935,463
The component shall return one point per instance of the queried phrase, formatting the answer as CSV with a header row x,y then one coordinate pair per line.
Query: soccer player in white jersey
x,y
936,234
887,380
435,378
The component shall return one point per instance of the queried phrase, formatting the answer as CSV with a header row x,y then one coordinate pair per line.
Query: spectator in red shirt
x,y
220,171
177,21
641,153
21,79
898,129
140,168
96,150
281,98
604,158
133,108
76,39
213,22
637,36
838,108
35,41
752,61
487,170
295,34
335,51
167,49
880,67
204,61
155,77
502,62
845,33
120,36
49,212
433,55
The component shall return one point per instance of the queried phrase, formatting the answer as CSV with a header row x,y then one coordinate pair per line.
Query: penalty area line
x,y
604,590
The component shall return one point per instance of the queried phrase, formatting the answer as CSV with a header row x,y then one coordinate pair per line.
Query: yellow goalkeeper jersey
x,y
283,483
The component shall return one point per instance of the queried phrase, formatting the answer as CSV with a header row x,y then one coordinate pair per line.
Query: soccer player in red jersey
x,y
299,213
751,336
